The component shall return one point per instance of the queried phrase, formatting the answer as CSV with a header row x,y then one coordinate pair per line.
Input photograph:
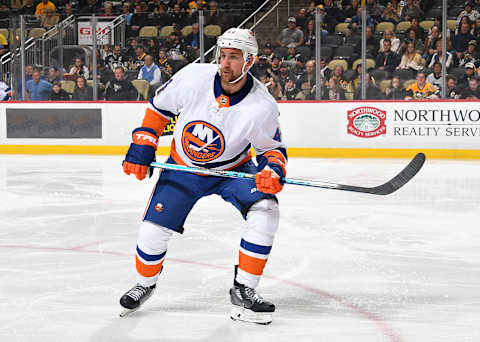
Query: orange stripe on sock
x,y
147,270
250,264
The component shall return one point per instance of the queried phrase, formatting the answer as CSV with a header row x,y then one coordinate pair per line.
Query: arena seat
x,y
408,83
426,24
342,29
384,85
384,26
186,30
143,87
165,31
148,31
68,86
212,30
333,63
370,63
403,26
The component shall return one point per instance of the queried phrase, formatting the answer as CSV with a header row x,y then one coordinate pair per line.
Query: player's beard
x,y
228,77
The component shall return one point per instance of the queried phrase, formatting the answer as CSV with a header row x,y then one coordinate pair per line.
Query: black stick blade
x,y
395,183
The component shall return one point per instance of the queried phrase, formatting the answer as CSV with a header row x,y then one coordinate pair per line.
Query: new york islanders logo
x,y
202,142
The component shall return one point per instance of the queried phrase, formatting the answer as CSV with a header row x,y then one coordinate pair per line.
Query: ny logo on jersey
x,y
202,142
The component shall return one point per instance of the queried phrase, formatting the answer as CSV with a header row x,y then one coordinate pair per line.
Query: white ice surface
x,y
344,267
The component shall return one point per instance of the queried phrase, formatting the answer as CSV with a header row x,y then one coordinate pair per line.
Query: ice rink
x,y
345,267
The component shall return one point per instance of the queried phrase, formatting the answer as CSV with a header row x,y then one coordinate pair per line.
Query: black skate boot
x,y
248,305
135,297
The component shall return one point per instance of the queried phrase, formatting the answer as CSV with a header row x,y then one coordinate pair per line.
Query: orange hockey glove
x,y
141,152
268,181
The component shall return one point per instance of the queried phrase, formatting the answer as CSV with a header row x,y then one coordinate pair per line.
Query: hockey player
x,y
5,92
224,112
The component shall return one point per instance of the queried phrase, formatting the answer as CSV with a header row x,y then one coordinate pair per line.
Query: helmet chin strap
x,y
244,72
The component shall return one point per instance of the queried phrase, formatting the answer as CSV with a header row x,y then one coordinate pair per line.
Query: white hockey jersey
x,y
5,92
216,130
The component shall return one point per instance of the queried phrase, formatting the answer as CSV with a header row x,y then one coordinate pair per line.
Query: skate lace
x,y
253,295
137,292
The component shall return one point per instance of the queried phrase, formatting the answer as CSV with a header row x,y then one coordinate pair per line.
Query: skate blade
x,y
127,312
239,313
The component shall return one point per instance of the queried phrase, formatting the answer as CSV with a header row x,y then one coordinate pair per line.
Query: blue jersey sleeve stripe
x,y
149,257
162,111
259,249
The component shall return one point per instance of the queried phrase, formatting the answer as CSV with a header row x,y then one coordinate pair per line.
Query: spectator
x,y
121,89
299,68
421,89
353,84
192,40
430,47
131,52
338,74
411,59
356,23
116,59
334,91
464,20
333,15
49,19
164,65
415,25
453,91
394,41
42,7
307,80
82,91
152,47
470,55
374,10
411,10
396,91
372,43
290,92
290,34
58,94
311,10
2,50
215,17
291,52
412,37
127,13
139,61
90,7
139,19
79,69
67,12
274,87
283,75
106,51
390,13
107,10
151,73
469,12
372,91
351,10
387,60
28,77
175,46
28,8
179,17
325,71
469,74
302,19
306,93
472,91
460,41
275,65
261,67
267,51
309,35
437,56
38,89
476,28
436,77
53,75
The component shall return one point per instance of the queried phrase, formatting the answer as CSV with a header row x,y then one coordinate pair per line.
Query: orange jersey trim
x,y
154,121
250,264
147,270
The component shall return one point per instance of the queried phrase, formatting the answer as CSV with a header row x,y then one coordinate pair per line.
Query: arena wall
x,y
385,129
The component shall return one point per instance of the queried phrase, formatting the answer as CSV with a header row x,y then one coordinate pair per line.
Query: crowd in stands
x,y
403,48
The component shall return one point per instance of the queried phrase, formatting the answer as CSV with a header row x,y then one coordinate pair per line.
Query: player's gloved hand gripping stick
x,y
141,152
385,189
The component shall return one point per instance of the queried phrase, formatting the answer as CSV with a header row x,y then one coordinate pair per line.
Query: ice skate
x,y
134,298
249,306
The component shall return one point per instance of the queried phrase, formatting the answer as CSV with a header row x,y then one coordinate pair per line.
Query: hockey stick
x,y
385,189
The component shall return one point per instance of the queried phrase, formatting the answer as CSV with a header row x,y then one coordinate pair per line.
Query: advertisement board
x,y
104,33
